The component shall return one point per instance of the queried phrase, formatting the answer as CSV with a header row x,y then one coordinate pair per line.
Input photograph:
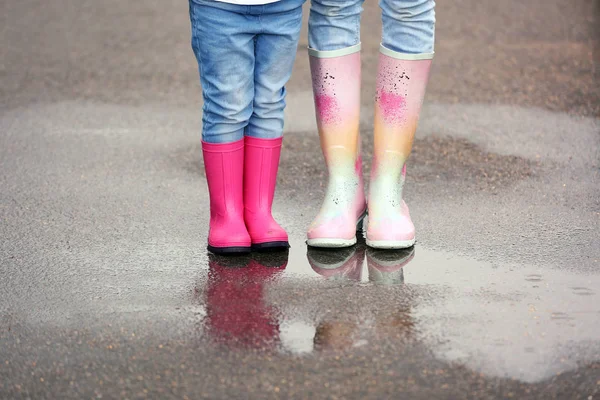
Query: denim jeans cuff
x,y
219,138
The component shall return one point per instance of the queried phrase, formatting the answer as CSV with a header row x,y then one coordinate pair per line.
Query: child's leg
x,y
275,51
223,41
334,41
404,62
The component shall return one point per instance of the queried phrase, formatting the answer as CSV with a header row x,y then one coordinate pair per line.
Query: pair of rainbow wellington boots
x,y
401,83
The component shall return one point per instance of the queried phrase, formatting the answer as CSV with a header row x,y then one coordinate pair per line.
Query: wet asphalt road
x,y
107,290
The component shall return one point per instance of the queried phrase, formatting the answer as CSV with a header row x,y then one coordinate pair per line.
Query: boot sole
x,y
331,243
390,244
271,246
229,250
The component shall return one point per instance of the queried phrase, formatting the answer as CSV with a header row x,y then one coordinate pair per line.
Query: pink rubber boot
x,y
336,88
401,82
224,165
261,162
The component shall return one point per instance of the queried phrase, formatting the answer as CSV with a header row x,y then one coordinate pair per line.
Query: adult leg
x,y
404,62
334,41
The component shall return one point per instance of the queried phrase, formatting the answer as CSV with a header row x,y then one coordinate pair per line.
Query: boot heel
x,y
228,250
271,246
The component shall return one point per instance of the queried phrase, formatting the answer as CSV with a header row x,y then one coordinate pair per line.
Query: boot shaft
x,y
336,88
401,83
261,163
224,166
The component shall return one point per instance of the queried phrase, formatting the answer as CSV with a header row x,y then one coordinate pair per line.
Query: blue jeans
x,y
245,56
408,25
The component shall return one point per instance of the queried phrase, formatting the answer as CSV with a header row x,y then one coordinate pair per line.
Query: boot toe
x,y
229,236
264,229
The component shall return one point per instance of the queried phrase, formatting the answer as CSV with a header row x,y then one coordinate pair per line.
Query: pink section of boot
x,y
261,163
224,165
393,225
338,217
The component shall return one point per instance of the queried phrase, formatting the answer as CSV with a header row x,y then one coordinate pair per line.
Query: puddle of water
x,y
506,320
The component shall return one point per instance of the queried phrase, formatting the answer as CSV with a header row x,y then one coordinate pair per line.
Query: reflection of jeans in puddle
x,y
385,267
236,313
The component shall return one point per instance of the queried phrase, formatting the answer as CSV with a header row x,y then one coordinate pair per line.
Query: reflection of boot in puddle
x,y
274,261
342,263
386,266
374,323
236,313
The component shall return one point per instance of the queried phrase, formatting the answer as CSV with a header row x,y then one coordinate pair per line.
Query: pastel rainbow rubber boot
x,y
336,88
261,163
224,166
401,83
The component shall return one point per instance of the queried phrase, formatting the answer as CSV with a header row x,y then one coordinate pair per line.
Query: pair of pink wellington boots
x,y
241,180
